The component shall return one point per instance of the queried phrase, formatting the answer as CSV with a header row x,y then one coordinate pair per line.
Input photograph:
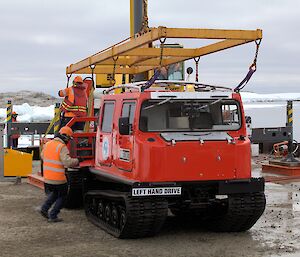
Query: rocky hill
x,y
30,97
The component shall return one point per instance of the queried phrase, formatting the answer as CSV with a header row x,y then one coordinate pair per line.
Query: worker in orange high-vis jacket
x,y
56,158
74,103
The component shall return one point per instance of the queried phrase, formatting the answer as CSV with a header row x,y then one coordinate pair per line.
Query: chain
x,y
145,25
162,42
113,81
93,68
197,59
68,79
257,42
251,71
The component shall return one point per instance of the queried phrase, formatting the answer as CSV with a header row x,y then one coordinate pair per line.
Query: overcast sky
x,y
39,38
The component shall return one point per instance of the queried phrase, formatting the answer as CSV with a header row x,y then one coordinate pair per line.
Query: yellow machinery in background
x,y
107,80
16,163
13,163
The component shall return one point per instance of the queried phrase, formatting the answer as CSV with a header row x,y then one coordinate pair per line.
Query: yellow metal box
x,y
17,163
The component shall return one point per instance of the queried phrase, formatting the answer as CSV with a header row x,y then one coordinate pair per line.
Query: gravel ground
x,y
23,232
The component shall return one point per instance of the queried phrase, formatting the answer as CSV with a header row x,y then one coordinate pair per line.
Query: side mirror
x,y
189,70
124,125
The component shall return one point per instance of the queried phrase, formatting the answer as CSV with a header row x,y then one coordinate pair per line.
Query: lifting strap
x,y
52,123
57,114
157,72
150,82
251,71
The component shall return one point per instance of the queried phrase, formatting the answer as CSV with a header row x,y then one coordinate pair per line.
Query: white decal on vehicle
x,y
156,191
125,154
105,148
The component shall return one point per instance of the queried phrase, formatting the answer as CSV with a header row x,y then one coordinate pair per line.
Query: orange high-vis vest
x,y
75,101
52,166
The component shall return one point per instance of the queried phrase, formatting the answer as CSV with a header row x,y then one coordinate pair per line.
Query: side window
x,y
96,114
128,111
230,113
108,114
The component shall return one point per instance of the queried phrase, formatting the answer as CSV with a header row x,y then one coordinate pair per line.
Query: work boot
x,y
55,220
44,214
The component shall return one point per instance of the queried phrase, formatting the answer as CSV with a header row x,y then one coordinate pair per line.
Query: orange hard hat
x,y
14,113
78,79
66,131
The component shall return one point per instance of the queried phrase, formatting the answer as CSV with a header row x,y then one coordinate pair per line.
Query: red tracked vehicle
x,y
160,149
177,146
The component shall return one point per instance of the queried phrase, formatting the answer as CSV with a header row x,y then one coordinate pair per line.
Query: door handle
x,y
119,139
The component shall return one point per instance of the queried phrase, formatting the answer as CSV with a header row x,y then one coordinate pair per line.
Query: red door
x,y
104,139
125,143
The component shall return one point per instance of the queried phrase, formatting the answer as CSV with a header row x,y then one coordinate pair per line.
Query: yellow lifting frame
x,y
135,56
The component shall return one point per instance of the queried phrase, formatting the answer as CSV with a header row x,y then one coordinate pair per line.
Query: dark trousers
x,y
56,196
14,143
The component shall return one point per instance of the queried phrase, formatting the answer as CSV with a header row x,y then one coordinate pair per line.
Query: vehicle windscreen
x,y
169,115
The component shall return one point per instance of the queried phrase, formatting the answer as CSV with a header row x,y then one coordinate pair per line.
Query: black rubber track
x,y
75,189
241,213
144,216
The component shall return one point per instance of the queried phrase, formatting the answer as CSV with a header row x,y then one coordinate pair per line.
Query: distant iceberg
x,y
248,97
27,113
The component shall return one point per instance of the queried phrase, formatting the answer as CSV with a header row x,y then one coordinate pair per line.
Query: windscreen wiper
x,y
157,104
197,135
205,106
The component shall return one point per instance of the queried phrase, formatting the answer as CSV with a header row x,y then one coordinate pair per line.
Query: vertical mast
x,y
138,24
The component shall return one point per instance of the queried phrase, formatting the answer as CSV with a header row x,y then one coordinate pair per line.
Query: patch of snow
x,y
262,115
248,97
27,113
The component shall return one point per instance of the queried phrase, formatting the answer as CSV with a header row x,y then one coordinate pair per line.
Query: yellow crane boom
x,y
133,55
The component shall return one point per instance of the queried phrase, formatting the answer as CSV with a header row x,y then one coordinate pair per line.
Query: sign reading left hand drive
x,y
156,191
